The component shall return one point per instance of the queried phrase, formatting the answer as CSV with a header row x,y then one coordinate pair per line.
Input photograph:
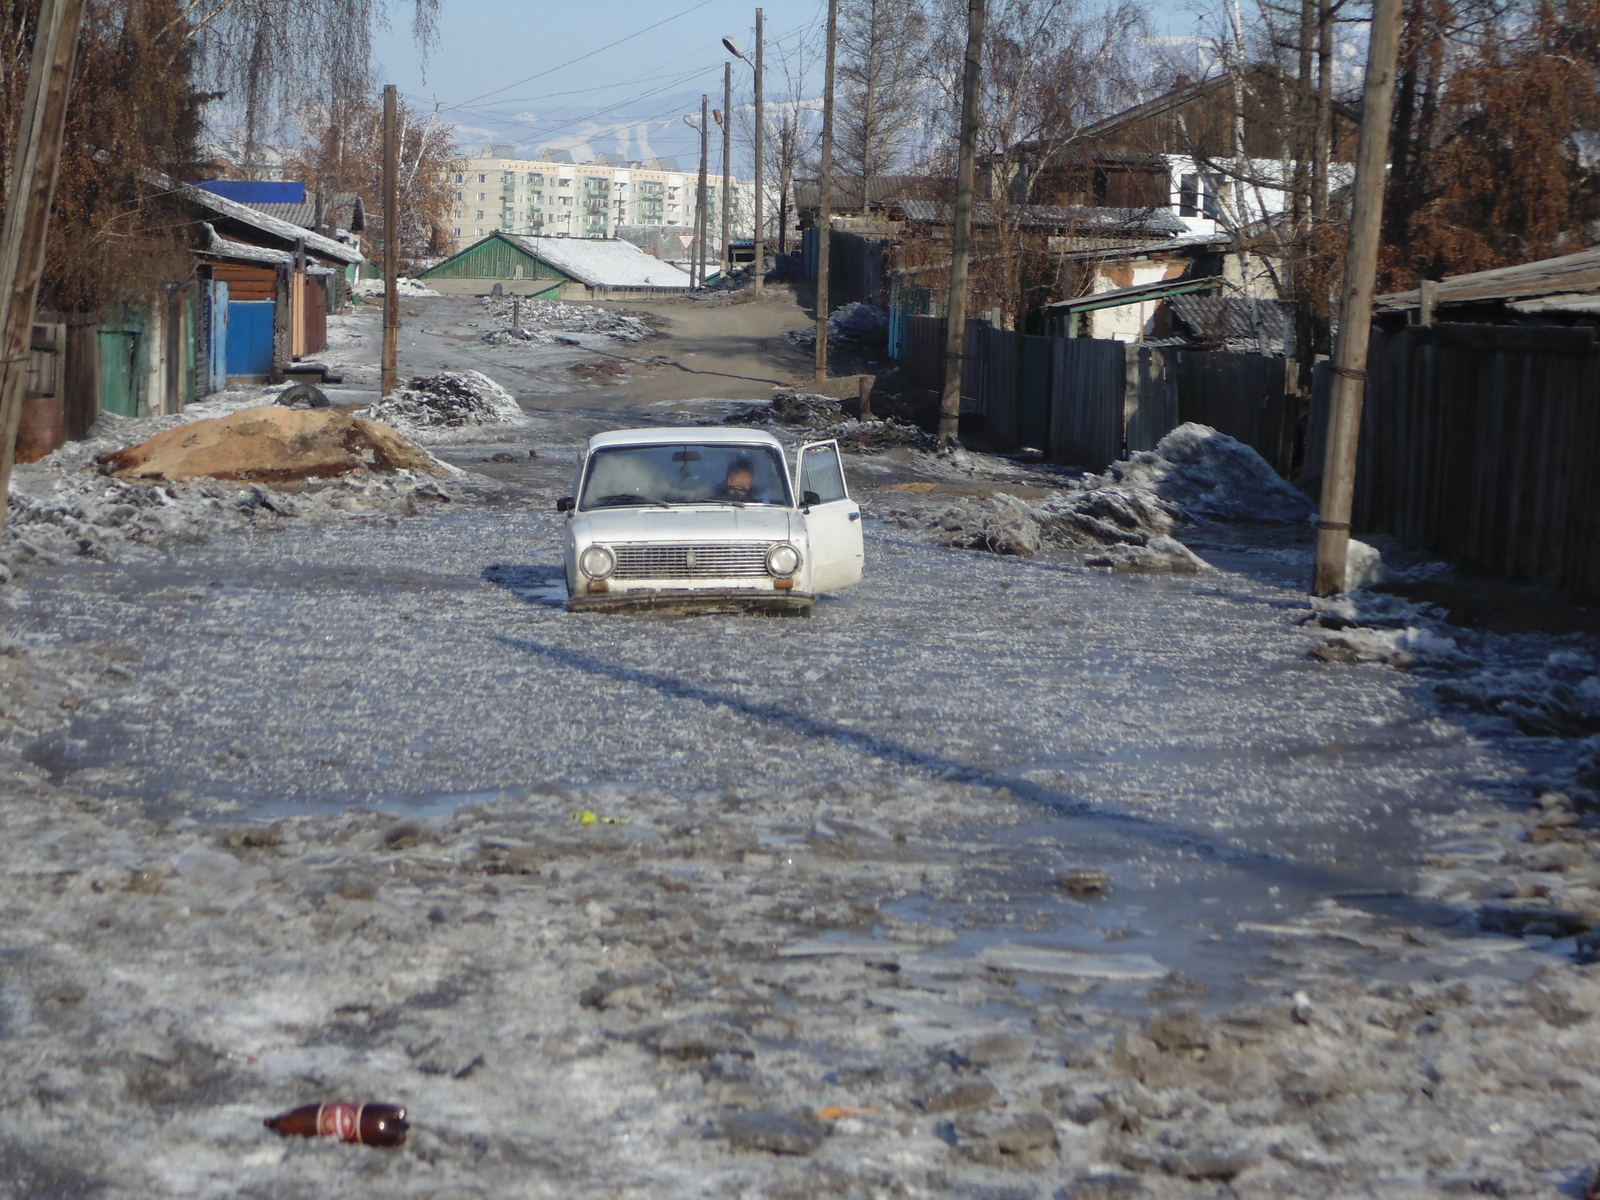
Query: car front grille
x,y
692,562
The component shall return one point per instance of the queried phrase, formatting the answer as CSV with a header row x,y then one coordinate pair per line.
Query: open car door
x,y
833,520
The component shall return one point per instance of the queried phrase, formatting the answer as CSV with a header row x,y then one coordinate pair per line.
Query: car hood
x,y
711,523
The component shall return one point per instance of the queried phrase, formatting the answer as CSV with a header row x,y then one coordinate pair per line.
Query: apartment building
x,y
552,196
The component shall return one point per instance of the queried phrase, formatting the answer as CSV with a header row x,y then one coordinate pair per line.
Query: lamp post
x,y
758,268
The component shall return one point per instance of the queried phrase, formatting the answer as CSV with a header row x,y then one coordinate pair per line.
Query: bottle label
x,y
342,1121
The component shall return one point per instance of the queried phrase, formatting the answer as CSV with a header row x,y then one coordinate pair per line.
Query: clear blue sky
x,y
504,70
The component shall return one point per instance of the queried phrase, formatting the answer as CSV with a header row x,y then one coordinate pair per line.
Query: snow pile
x,y
1210,475
823,417
63,507
855,324
1132,529
537,321
432,405
403,287
1560,697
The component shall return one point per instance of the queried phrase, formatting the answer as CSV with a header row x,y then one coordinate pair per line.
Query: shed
x,y
556,268
1551,291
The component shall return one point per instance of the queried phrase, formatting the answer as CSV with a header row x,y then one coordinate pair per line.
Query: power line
x,y
591,54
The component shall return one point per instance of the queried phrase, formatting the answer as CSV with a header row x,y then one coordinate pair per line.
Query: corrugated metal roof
x,y
1077,218
1236,322
1575,275
344,211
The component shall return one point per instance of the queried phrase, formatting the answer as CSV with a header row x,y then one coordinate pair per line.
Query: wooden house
x,y
551,268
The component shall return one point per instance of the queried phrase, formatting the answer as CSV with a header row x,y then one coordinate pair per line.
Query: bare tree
x,y
265,57
882,48
342,151
1051,67
793,120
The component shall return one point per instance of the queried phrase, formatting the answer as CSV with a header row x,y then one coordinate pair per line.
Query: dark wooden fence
x,y
1083,400
1481,444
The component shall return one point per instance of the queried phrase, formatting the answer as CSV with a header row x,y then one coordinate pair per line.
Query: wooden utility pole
x,y
825,196
727,161
391,243
961,232
1355,302
760,271
32,187
701,224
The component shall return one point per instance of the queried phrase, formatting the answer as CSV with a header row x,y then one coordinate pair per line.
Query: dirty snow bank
x,y
403,287
542,322
63,506
1195,474
823,417
434,408
856,324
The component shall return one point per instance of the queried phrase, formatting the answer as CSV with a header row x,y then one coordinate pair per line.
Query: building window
x,y
483,179
480,214
455,195
565,182
1216,196
477,233
1188,195
456,231
458,177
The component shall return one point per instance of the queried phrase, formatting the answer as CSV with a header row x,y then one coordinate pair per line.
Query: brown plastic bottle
x,y
366,1124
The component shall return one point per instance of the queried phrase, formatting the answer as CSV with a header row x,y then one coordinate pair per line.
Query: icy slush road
x,y
1171,731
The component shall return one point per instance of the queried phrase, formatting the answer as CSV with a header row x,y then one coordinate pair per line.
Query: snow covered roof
x,y
243,251
680,436
256,219
602,262
1079,218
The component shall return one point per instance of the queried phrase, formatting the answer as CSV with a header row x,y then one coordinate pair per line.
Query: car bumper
x,y
698,600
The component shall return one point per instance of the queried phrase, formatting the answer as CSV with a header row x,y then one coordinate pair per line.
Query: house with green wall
x,y
555,268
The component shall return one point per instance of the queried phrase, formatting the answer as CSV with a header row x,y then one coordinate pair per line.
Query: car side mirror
x,y
809,498
564,504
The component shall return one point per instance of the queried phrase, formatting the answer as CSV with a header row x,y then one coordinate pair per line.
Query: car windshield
x,y
685,473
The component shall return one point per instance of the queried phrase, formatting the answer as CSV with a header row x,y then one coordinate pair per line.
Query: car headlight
x,y
597,562
783,560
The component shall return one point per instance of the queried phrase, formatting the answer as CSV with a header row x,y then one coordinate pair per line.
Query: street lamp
x,y
732,48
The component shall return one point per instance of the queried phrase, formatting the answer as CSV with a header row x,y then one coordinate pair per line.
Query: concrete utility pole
x,y
390,374
825,196
34,168
1355,303
727,159
961,233
701,224
760,271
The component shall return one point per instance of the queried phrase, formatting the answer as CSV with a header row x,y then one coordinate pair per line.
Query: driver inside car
x,y
741,478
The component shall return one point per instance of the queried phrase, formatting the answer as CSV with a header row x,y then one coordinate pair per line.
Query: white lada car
x,y
708,519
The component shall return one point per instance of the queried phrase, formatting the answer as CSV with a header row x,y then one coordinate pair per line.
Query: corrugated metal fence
x,y
1480,443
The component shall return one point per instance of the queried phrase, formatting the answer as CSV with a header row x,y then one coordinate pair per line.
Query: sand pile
x,y
271,444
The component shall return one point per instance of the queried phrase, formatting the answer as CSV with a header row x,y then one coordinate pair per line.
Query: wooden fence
x,y
1481,444
1082,401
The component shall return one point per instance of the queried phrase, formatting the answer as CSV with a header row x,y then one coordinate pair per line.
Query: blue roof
x,y
256,191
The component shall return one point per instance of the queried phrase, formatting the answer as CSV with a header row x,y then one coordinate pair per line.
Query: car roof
x,y
679,435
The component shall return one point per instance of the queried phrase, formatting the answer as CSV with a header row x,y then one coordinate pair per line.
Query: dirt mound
x,y
271,444
449,400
